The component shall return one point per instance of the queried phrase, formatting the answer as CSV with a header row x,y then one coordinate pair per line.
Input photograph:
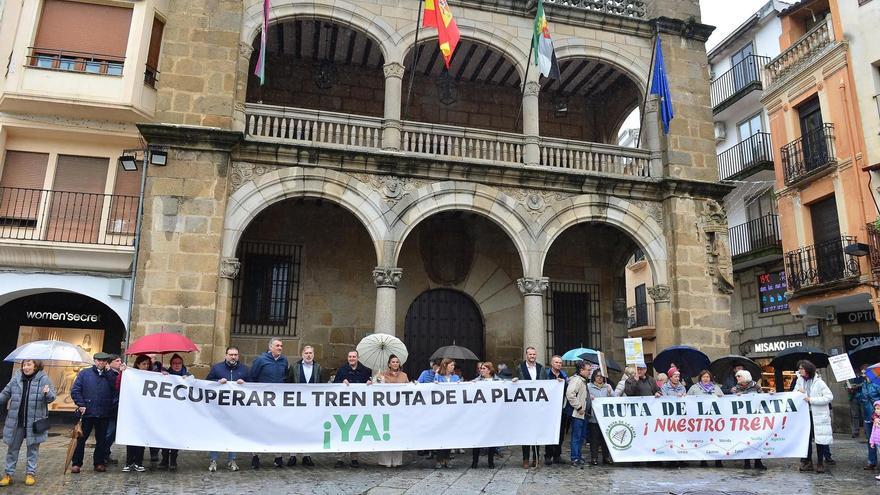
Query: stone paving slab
x,y
417,476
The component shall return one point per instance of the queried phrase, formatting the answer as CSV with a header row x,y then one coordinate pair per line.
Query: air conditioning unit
x,y
720,132
830,314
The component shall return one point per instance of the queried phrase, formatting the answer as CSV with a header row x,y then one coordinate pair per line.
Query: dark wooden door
x,y
641,305
438,318
826,239
813,141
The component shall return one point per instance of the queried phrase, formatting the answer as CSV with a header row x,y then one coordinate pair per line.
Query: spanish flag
x,y
438,15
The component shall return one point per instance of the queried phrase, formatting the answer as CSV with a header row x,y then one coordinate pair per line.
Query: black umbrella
x,y
592,357
867,353
723,367
788,359
689,360
454,352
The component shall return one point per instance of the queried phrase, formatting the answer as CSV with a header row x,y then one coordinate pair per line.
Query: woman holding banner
x,y
706,386
628,372
579,400
745,385
393,374
598,388
445,375
487,374
673,386
818,395
134,454
169,456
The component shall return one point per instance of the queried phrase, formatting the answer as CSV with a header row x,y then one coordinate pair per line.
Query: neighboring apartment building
x,y
68,107
759,308
329,201
824,200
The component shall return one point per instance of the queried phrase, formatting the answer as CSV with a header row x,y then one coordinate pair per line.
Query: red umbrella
x,y
161,343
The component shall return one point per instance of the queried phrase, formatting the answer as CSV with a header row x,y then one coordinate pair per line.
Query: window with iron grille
x,y
572,316
265,295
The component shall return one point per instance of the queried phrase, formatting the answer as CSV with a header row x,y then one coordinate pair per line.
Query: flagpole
x,y
415,61
648,85
522,94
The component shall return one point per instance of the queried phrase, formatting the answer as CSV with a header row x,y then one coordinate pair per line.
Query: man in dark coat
x,y
94,392
352,372
641,385
306,370
530,369
228,370
553,453
269,367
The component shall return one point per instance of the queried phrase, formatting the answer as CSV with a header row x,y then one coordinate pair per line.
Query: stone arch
x,y
630,218
484,200
630,64
293,182
339,11
492,38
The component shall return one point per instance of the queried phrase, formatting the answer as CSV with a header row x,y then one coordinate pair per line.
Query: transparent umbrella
x,y
374,350
51,352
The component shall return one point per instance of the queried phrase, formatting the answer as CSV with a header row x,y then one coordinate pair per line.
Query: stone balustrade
x,y
801,51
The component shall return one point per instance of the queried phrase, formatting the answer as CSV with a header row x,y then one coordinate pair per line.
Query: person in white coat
x,y
818,396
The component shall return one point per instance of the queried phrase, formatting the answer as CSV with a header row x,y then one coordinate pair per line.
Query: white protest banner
x,y
185,413
842,367
633,351
704,428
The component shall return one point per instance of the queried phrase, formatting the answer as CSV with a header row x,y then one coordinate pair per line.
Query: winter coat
x,y
751,388
874,440
267,369
295,374
522,371
867,394
548,375
670,390
426,376
232,373
646,387
360,374
595,392
621,386
697,389
820,396
495,378
37,407
96,392
578,397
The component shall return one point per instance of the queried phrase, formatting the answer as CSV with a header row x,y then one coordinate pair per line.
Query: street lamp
x,y
128,163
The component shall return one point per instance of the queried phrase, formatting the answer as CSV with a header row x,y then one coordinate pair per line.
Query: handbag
x,y
41,425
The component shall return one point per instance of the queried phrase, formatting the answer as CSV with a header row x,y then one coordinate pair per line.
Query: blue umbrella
x,y
689,360
575,354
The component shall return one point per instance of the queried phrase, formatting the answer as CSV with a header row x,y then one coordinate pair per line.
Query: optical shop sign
x,y
704,428
203,415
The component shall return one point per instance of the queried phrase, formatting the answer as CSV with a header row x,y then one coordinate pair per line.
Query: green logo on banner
x,y
366,428
620,435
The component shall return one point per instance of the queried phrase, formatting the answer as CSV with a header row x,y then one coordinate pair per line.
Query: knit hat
x,y
744,374
672,370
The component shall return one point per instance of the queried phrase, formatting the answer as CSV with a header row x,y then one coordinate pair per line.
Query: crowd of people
x,y
96,391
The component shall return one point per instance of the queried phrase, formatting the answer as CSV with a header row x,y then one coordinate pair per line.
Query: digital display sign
x,y
771,292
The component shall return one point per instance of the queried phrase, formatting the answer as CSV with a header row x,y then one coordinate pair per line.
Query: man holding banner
x,y
352,372
269,367
530,369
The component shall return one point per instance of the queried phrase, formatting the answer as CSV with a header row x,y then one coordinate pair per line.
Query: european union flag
x,y
660,87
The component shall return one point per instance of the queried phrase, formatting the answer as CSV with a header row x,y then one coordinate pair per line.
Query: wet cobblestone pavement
x,y
417,476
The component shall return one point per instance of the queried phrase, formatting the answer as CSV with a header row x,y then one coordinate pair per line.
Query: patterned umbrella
x,y
374,350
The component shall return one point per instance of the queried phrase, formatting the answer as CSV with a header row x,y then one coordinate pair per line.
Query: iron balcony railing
x,y
638,316
151,76
70,217
809,153
742,159
754,235
745,76
73,61
821,263
874,246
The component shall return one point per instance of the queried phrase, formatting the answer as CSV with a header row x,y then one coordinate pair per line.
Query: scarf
x,y
707,387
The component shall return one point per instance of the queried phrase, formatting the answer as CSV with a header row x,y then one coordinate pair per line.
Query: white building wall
x,y
16,285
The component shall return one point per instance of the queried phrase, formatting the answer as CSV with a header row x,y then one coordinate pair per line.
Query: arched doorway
x,y
440,317
58,315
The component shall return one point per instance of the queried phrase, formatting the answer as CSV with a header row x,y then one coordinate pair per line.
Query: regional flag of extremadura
x,y
438,15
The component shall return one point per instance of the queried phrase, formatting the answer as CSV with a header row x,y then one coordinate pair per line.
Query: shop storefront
x,y
66,316
764,350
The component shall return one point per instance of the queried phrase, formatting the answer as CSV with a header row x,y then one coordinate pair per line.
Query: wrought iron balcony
x,y
640,315
820,264
874,243
747,157
68,217
755,235
745,76
808,154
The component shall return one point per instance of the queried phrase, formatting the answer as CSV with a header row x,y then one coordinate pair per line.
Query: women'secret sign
x,y
334,418
704,428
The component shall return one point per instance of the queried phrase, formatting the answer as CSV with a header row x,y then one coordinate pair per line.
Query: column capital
x,y
533,88
393,69
659,293
532,286
229,267
387,276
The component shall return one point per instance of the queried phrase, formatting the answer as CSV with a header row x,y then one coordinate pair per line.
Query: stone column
x,y
392,126
239,119
229,271
386,279
533,314
531,151
663,330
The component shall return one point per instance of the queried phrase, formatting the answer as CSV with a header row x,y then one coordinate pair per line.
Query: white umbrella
x,y
375,349
51,352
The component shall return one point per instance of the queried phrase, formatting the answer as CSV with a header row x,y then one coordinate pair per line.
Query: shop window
x,y
573,316
151,74
266,291
21,185
81,37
